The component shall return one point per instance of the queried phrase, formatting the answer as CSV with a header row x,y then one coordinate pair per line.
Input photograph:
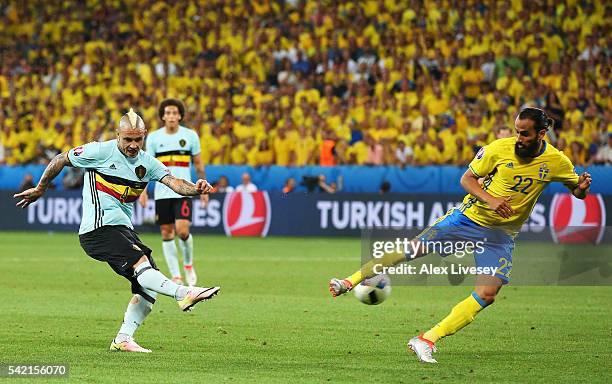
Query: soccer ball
x,y
373,291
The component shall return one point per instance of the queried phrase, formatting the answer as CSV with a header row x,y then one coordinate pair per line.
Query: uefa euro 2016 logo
x,y
544,171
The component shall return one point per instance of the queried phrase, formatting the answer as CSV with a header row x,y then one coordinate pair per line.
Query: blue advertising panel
x,y
558,217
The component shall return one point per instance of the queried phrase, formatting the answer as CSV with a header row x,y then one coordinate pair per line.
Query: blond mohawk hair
x,y
131,120
133,117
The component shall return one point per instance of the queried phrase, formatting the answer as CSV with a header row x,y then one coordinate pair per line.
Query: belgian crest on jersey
x,y
140,171
182,142
544,171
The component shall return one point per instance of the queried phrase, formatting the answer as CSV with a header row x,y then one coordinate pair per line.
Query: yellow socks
x,y
356,277
370,268
461,315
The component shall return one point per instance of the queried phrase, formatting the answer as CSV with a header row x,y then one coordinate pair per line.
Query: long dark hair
x,y
539,117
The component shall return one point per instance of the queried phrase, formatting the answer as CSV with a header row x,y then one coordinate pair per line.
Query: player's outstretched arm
x,y
582,189
501,205
143,199
199,166
186,188
53,169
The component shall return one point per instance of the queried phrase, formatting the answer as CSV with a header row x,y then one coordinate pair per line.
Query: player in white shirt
x,y
247,185
177,147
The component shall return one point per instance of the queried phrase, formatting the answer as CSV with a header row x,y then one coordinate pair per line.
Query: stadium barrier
x,y
560,217
350,178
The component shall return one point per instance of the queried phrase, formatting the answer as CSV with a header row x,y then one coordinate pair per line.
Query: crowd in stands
x,y
410,82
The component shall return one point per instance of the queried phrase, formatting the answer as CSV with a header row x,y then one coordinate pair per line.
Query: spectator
x,y
324,187
246,185
385,187
562,146
73,178
301,64
604,154
577,152
247,81
27,182
289,185
222,185
554,109
264,155
375,151
326,156
283,148
403,154
502,132
591,49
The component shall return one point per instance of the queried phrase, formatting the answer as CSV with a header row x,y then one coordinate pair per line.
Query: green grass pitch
x,y
275,321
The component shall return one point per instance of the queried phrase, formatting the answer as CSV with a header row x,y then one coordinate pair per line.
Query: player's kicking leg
x,y
186,245
339,287
186,297
153,282
462,314
121,248
446,227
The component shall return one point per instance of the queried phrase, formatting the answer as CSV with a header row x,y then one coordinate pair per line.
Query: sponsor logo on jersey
x,y
574,221
78,150
480,153
247,214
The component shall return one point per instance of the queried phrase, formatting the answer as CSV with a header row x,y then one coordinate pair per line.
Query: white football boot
x,y
339,287
423,348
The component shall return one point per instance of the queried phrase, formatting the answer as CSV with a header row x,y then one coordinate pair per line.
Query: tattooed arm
x,y
53,169
199,166
184,187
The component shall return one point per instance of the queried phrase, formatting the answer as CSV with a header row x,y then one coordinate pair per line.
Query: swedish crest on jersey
x,y
140,171
182,142
544,170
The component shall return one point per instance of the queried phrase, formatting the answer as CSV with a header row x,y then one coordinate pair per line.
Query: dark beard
x,y
529,151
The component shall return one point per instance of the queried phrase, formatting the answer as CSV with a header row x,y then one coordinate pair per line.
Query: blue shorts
x,y
492,248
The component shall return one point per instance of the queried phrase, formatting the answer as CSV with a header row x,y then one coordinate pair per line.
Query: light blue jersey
x,y
112,182
175,151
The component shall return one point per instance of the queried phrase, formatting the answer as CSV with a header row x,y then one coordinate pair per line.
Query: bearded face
x,y
528,140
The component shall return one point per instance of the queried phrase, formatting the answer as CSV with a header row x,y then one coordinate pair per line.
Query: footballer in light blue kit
x,y
117,171
177,147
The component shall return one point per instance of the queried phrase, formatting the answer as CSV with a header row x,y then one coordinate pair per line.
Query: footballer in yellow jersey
x,y
521,179
515,170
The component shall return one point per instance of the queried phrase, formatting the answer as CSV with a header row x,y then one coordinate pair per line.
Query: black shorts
x,y
167,211
120,247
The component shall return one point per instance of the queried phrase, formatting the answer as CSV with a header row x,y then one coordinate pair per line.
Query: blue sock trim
x,y
479,300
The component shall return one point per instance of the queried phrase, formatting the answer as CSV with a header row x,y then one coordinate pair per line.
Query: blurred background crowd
x,y
410,82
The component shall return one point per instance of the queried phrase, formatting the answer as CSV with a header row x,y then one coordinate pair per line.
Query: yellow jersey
x,y
523,180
